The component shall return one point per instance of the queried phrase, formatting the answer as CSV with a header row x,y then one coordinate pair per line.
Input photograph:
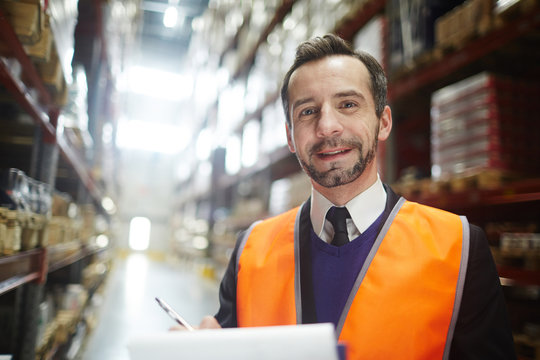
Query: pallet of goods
x,y
482,131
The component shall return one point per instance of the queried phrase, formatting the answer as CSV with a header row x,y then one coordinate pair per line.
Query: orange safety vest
x,y
405,301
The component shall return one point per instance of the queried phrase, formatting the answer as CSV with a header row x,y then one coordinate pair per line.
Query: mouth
x,y
332,154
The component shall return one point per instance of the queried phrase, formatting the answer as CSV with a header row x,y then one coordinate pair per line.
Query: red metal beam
x,y
520,276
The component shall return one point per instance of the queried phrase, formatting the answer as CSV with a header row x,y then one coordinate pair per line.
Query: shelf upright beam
x,y
473,51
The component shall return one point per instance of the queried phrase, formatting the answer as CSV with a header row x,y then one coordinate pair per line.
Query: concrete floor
x,y
129,308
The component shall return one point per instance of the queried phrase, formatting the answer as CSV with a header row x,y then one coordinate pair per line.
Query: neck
x,y
341,195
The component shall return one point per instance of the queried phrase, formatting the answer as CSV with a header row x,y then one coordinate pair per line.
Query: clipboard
x,y
290,342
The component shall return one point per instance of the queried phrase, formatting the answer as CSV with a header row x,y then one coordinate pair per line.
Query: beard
x,y
337,175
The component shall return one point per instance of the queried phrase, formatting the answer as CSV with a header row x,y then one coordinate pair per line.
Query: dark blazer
x,y
482,330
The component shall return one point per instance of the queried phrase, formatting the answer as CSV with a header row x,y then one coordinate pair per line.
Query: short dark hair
x,y
328,45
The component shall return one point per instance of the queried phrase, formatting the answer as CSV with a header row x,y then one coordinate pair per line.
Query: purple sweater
x,y
335,270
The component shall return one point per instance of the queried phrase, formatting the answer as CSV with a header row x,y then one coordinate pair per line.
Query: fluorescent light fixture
x,y
139,233
170,17
152,136
156,83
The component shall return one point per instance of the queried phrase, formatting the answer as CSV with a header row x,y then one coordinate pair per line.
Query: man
x,y
398,279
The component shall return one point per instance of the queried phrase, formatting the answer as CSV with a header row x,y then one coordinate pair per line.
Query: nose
x,y
329,123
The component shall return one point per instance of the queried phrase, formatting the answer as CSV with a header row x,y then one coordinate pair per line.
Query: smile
x,y
333,153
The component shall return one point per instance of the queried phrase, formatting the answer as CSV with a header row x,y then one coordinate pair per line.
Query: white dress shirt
x,y
364,208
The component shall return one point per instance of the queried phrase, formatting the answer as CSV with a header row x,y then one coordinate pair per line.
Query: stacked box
x,y
41,50
25,19
473,18
484,122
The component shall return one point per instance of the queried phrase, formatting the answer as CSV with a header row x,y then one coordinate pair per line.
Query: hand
x,y
208,322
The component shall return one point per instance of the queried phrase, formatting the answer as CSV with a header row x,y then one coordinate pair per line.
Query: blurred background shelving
x,y
108,115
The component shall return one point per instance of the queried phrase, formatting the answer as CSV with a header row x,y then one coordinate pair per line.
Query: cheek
x,y
300,136
367,130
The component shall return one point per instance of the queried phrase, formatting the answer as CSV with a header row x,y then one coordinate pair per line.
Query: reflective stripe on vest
x,y
405,300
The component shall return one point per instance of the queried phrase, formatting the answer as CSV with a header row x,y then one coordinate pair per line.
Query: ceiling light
x,y
170,17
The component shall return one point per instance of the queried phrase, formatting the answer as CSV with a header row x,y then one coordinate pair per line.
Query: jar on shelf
x,y
29,233
12,241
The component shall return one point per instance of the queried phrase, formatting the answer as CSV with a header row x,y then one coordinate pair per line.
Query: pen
x,y
174,315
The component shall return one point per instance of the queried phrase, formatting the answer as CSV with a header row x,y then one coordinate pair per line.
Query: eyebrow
x,y
297,103
337,95
350,93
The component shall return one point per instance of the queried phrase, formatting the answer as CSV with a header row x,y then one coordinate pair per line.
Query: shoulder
x,y
284,219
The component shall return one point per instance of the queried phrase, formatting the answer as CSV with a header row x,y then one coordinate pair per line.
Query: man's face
x,y
334,127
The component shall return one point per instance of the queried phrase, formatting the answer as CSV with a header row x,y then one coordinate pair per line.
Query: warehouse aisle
x,y
129,308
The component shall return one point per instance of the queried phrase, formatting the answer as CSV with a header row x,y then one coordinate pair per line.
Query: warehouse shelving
x,y
33,265
40,107
21,268
32,268
444,65
26,274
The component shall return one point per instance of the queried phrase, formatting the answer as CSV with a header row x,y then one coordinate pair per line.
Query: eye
x,y
307,112
348,105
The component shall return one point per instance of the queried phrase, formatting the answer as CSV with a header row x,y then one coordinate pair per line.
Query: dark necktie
x,y
338,217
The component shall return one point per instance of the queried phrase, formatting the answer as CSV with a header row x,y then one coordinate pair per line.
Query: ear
x,y
290,140
385,124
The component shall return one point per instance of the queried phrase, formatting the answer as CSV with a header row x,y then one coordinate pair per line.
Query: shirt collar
x,y
364,208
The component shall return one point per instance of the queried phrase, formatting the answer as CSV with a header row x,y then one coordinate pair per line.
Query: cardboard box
x,y
41,50
25,19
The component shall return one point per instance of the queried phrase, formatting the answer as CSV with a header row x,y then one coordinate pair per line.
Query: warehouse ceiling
x,y
155,43
156,38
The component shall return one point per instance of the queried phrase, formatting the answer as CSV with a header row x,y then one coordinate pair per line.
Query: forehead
x,y
331,73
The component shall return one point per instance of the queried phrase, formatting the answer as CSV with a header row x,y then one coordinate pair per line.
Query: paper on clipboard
x,y
310,342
